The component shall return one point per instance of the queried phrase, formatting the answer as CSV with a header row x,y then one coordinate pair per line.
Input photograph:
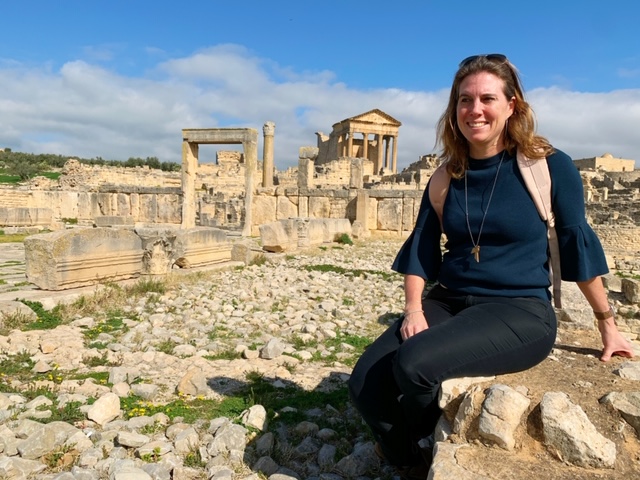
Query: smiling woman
x,y
486,315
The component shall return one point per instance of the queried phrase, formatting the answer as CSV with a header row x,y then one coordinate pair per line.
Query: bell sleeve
x,y
581,254
421,253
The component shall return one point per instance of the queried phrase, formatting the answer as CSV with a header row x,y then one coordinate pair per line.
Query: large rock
x,y
80,257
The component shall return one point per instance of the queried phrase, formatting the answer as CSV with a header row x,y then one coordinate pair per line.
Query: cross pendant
x,y
475,251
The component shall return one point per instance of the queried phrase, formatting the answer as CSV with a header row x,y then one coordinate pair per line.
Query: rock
x,y
628,404
569,433
502,411
105,409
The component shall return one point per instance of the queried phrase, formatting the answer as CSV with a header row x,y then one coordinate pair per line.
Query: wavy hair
x,y
520,130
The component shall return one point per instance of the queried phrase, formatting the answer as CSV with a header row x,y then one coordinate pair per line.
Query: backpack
x,y
535,173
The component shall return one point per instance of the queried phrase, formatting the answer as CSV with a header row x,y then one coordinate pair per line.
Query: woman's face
x,y
481,113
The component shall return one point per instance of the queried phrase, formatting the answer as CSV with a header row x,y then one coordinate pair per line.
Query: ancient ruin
x,y
347,183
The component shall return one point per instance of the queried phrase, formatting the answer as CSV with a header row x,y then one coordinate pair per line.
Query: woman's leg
x,y
487,336
375,394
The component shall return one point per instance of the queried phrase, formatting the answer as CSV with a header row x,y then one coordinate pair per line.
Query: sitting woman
x,y
490,310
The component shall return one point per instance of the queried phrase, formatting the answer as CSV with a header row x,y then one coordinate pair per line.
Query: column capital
x,y
269,128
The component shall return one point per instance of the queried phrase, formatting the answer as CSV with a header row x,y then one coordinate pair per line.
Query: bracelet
x,y
406,314
604,315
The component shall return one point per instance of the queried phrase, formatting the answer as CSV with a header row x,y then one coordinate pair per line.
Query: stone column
x,y
350,145
189,168
268,130
362,209
250,148
356,173
387,154
365,145
394,166
379,163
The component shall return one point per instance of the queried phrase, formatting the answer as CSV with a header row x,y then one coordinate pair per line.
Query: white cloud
x,y
90,111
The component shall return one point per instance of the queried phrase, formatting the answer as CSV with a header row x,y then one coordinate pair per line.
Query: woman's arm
x,y
414,319
614,343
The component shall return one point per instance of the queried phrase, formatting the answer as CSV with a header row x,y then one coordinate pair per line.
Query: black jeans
x,y
395,383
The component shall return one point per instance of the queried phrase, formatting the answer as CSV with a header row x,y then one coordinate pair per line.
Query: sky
x,y
119,79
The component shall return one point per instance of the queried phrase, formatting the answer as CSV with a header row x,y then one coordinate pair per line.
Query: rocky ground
x,y
292,324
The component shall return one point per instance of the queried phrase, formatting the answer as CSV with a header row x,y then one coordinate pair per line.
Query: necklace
x,y
475,251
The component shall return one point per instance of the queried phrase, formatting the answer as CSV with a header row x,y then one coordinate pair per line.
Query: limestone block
x,y
631,289
308,152
148,208
408,215
195,247
305,173
169,208
79,257
278,236
25,217
390,214
319,207
264,209
110,221
285,208
202,246
303,206
334,228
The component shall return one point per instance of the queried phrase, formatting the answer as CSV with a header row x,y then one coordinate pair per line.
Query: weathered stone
x,y
73,258
194,383
569,432
105,409
628,404
502,410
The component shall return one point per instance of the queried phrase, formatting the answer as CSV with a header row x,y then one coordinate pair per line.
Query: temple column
x,y
365,145
394,166
189,169
387,153
380,161
250,149
350,145
268,130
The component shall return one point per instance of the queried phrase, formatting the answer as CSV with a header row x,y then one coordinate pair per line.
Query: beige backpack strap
x,y
438,188
535,173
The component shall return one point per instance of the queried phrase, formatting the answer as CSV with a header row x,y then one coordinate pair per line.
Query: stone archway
x,y
191,139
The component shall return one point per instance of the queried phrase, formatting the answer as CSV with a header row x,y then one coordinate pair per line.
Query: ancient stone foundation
x,y
79,257
293,233
86,256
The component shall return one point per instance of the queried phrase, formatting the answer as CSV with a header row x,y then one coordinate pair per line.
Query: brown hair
x,y
520,131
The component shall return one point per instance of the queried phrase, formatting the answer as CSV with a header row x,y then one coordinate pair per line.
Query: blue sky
x,y
116,79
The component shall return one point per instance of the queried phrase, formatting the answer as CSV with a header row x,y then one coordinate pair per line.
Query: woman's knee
x,y
412,371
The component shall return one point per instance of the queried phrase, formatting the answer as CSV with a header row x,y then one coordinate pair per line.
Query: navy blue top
x,y
513,243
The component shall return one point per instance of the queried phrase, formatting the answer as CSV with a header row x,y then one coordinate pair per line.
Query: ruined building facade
x,y
351,174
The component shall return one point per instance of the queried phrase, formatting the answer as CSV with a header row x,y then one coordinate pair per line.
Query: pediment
x,y
376,117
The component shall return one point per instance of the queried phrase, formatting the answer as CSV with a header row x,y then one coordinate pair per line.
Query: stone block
x,y
112,221
319,207
278,236
80,257
286,208
264,209
310,153
202,246
166,248
25,217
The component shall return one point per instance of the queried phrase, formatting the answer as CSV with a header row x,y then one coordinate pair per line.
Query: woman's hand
x,y
614,343
414,322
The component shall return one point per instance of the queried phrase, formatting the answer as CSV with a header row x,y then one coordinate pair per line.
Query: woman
x,y
489,312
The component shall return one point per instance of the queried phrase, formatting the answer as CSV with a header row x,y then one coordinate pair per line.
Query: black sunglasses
x,y
492,57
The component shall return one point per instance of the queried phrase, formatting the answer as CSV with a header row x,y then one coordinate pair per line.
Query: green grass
x,y
13,179
13,237
111,325
356,272
4,178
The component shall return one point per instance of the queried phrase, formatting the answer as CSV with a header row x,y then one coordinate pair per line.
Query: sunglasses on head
x,y
492,57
